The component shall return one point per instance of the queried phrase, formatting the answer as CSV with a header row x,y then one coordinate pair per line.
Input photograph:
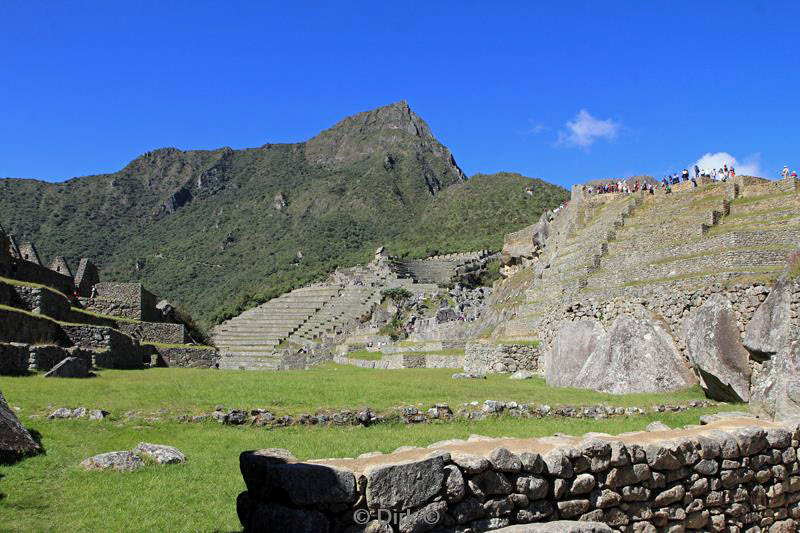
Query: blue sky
x,y
564,91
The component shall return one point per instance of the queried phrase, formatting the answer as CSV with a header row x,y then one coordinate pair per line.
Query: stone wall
x,y
13,359
126,300
42,301
111,349
727,476
485,357
5,255
43,358
405,360
17,326
34,273
670,304
189,356
430,329
160,332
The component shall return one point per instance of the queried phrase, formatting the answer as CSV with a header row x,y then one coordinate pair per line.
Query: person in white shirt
x,y
785,172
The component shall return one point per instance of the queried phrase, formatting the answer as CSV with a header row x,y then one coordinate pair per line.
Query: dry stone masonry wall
x,y
485,357
727,476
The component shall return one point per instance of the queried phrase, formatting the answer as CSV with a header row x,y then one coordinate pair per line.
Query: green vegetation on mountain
x,y
221,230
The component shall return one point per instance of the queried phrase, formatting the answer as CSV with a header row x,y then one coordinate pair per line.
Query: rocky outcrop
x,y
15,441
569,351
635,355
768,329
522,247
775,387
773,338
716,352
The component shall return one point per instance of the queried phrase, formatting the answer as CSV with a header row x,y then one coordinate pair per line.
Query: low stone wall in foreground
x,y
731,475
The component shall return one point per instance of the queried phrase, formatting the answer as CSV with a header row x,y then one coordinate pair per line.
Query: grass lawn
x,y
50,492
177,391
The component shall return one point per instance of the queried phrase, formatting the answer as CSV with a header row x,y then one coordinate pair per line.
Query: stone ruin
x,y
733,474
644,293
302,327
49,315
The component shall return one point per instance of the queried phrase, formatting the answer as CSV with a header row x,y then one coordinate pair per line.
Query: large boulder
x,y
716,352
767,331
15,441
635,355
773,338
569,351
775,387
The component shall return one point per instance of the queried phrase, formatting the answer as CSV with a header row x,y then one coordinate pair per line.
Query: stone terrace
x,y
730,475
255,340
604,246
251,339
440,269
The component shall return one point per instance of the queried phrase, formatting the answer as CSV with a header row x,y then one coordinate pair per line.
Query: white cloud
x,y
535,129
585,129
749,166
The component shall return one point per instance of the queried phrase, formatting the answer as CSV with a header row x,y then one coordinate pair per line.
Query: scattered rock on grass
x,y
113,460
463,375
657,426
61,412
161,454
78,412
522,374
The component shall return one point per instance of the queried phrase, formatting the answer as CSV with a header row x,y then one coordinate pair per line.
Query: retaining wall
x,y
162,332
732,475
189,357
16,326
13,359
405,360
670,304
485,357
111,349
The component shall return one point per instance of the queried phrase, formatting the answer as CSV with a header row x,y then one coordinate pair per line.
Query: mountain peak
x,y
393,129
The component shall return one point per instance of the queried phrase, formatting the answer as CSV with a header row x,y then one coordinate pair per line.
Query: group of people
x,y
624,186
620,186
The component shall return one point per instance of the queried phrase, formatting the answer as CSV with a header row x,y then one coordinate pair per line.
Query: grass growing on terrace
x,y
176,391
52,493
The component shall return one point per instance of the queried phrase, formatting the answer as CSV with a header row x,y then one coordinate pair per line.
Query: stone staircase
x,y
250,339
439,269
614,245
351,304
306,316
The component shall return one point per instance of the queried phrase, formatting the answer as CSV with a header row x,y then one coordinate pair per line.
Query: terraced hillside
x,y
629,245
255,339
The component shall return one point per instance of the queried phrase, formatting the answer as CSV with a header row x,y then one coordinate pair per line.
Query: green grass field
x,y
52,493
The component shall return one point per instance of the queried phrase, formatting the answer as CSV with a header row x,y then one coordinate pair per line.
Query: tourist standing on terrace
x,y
785,172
